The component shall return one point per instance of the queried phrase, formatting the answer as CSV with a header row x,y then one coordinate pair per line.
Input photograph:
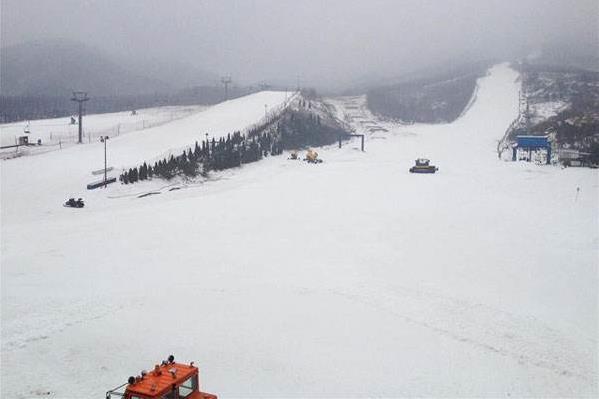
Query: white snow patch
x,y
348,278
51,131
545,110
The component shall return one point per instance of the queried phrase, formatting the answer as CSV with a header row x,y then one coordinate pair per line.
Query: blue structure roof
x,y
532,141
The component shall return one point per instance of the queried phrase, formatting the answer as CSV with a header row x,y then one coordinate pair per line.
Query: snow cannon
x,y
167,380
312,157
423,166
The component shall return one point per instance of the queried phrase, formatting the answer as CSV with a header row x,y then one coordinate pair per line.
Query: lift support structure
x,y
347,136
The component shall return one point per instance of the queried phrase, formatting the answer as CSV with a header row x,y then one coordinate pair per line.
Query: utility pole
x,y
80,97
104,139
226,80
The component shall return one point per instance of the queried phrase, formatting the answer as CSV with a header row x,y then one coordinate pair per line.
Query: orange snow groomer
x,y
168,380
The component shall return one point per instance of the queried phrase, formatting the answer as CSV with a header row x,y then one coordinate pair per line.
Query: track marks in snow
x,y
526,340
34,325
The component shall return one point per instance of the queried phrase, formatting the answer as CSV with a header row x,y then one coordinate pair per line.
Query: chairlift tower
x,y
80,97
226,80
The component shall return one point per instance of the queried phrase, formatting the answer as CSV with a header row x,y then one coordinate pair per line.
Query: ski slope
x,y
50,178
284,279
50,131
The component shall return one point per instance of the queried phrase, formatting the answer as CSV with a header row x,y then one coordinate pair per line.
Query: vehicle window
x,y
186,388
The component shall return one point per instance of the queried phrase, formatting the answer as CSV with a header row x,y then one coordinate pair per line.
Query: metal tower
x,y
80,97
226,80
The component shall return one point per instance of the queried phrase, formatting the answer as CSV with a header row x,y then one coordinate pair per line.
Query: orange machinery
x,y
168,380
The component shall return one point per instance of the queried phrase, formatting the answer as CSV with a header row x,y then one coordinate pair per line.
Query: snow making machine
x,y
312,157
423,166
168,380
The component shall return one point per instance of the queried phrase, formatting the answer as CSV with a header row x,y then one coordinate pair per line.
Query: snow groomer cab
x,y
422,165
169,380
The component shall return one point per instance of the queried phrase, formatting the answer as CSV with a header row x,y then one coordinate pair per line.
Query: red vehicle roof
x,y
160,380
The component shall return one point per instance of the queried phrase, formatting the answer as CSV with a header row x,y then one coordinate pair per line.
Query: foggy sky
x,y
322,41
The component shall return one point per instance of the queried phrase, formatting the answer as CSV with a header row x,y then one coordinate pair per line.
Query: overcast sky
x,y
321,40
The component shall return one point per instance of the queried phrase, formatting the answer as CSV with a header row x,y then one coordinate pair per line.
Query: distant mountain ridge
x,y
37,80
57,67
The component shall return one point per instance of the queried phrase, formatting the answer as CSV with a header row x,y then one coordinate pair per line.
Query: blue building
x,y
532,143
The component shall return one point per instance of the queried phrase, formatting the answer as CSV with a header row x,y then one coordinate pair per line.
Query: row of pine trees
x,y
290,130
229,152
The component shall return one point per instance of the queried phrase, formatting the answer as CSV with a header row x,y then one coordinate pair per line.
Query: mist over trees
x,y
175,53
38,79
327,44
16,108
434,99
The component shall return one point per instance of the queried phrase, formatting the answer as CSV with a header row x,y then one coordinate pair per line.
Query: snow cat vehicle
x,y
71,203
312,157
423,166
169,380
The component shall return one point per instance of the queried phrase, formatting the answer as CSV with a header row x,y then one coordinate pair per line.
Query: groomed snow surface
x,y
51,131
286,279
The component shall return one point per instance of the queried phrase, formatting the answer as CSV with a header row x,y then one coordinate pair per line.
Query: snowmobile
x,y
72,203
167,380
312,157
423,166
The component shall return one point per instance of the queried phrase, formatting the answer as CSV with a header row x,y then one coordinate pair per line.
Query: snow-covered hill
x,y
281,278
32,186
51,131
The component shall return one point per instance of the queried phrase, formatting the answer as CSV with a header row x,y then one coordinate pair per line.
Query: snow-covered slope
x,y
281,278
32,186
51,131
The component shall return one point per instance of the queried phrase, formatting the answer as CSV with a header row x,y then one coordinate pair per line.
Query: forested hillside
x,y
434,99
563,101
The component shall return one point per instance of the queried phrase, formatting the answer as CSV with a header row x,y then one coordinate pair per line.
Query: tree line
x,y
224,153
292,129
434,97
